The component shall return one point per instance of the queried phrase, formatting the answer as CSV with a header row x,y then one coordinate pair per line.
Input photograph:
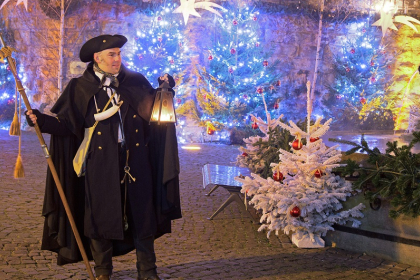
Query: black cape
x,y
57,235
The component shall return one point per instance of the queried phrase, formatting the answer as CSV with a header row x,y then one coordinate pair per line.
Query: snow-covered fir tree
x,y
261,150
160,47
304,196
363,69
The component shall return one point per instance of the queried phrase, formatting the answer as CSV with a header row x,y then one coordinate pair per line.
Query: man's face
x,y
109,60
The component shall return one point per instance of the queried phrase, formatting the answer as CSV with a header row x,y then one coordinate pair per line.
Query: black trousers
x,y
146,258
145,253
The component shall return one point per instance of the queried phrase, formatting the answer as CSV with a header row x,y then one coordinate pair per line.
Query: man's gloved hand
x,y
35,116
168,78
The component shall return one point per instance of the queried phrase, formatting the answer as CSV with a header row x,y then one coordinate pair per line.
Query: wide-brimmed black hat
x,y
100,43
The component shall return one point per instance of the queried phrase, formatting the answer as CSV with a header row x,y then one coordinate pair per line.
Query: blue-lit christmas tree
x,y
159,48
240,69
362,66
7,96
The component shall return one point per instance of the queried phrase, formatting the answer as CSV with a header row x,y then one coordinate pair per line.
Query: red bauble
x,y
318,173
171,61
278,176
140,56
295,212
297,145
265,63
210,131
394,118
372,63
178,100
8,68
230,70
235,22
347,69
373,79
254,125
159,18
278,83
363,100
271,87
160,39
210,57
260,90
205,96
245,96
254,18
257,44
244,154
232,51
352,51
276,105
389,66
363,30
314,139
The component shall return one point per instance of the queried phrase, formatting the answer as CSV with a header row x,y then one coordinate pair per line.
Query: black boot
x,y
150,278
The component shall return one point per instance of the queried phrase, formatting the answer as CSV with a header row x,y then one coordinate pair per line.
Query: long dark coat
x,y
153,197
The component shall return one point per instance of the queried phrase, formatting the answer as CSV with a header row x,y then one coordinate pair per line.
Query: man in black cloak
x,y
130,191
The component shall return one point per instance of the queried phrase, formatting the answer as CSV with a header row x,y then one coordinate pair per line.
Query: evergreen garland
x,y
394,175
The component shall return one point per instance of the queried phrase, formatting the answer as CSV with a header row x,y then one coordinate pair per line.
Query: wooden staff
x,y
22,92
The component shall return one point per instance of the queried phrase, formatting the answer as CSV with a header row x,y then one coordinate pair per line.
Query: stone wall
x,y
293,35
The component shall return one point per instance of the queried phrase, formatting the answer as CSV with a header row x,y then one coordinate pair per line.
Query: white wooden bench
x,y
215,176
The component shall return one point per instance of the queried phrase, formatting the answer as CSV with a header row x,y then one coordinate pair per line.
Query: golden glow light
x,y
386,7
163,107
190,147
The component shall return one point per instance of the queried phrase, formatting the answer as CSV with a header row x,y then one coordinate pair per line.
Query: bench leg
x,y
212,190
233,197
223,206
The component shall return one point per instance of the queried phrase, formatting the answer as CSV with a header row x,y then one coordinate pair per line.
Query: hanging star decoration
x,y
387,21
188,7
24,2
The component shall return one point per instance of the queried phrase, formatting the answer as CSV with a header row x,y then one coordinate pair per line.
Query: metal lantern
x,y
163,106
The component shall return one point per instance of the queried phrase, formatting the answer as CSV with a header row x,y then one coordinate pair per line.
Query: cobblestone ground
x,y
228,247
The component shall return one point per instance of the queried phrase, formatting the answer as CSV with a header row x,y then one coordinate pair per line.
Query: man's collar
x,y
106,79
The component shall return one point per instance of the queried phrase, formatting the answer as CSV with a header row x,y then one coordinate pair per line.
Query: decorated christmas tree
x,y
240,69
195,96
7,96
362,66
263,149
304,196
7,84
159,48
